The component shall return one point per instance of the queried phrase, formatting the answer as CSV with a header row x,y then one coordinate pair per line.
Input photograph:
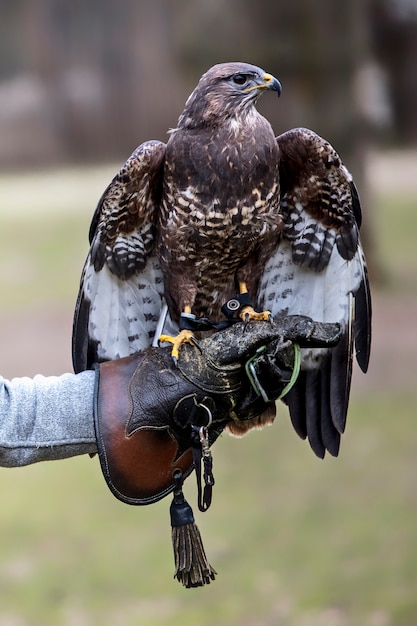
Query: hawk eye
x,y
240,79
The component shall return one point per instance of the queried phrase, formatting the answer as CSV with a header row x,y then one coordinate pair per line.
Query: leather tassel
x,y
192,568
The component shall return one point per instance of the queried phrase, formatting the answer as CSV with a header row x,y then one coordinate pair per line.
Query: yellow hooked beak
x,y
268,82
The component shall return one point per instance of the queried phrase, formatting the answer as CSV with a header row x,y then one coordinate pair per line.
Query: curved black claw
x,y
195,343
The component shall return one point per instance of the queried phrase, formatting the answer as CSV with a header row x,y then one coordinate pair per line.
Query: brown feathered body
x,y
219,216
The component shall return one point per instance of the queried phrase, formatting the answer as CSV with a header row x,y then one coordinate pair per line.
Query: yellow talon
x,y
185,336
248,314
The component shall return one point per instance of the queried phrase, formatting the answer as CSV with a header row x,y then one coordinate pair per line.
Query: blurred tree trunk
x,y
102,73
394,38
43,51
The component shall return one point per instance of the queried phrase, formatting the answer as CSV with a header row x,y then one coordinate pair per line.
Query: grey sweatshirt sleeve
x,y
46,418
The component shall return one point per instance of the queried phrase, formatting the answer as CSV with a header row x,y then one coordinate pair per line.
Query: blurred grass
x,y
394,233
296,541
44,233
41,259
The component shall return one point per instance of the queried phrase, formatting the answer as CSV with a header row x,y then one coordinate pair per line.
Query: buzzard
x,y
225,208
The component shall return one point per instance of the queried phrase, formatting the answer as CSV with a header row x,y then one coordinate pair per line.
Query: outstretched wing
x,y
121,288
319,270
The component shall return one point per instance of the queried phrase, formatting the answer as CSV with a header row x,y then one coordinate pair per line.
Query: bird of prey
x,y
225,208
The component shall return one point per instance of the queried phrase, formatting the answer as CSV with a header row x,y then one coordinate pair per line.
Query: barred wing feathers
x,y
121,288
318,269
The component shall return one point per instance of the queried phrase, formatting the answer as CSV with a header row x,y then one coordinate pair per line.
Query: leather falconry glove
x,y
155,422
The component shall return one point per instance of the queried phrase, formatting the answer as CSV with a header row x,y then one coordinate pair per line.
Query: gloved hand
x,y
148,412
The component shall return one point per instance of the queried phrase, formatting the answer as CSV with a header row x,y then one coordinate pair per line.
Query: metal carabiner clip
x,y
203,432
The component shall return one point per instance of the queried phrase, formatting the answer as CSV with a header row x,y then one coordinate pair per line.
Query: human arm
x,y
46,418
51,418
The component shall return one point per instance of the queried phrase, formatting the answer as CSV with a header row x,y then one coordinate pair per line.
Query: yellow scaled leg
x,y
184,336
248,313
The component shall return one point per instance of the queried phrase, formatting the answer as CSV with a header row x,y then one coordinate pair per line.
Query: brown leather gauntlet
x,y
146,409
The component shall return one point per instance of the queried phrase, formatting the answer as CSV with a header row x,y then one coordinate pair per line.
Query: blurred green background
x,y
296,541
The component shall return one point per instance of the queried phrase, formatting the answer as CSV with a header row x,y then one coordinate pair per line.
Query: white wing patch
x,y
124,313
289,289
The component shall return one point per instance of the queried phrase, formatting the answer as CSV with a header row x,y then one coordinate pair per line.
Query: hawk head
x,y
225,90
